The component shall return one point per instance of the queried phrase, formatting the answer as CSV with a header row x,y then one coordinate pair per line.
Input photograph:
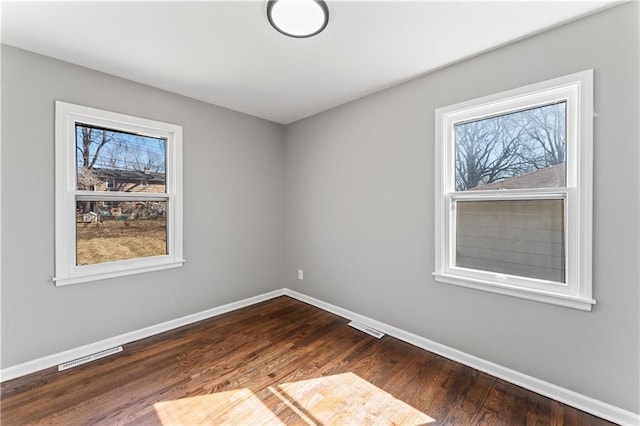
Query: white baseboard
x,y
569,397
566,396
82,351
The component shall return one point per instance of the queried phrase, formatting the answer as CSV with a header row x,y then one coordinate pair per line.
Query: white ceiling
x,y
225,53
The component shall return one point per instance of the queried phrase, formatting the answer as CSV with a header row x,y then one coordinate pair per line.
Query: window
x,y
108,223
513,192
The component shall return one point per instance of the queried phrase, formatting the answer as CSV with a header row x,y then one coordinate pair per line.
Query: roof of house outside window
x,y
129,175
551,177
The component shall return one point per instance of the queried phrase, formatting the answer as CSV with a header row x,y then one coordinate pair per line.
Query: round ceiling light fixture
x,y
298,18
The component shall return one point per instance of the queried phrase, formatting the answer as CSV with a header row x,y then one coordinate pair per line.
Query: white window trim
x,y
576,293
67,272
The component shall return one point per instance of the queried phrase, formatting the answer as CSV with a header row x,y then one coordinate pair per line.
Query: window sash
x,y
503,278
140,228
569,95
141,144
507,121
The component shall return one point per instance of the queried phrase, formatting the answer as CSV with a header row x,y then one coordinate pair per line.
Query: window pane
x,y
107,231
523,238
109,160
524,149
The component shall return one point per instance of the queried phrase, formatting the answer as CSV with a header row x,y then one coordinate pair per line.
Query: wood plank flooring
x,y
277,362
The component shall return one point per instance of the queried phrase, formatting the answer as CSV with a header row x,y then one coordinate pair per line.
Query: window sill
x,y
82,278
583,304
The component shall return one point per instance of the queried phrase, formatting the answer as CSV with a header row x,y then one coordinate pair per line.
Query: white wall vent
x,y
362,327
89,358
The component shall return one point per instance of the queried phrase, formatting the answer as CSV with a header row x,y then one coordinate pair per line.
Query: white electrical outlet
x,y
300,274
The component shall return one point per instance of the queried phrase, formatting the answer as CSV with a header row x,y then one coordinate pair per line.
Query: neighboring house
x,y
101,179
523,237
551,177
127,180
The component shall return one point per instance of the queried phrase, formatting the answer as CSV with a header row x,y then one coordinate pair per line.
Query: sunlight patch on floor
x,y
346,399
332,400
223,408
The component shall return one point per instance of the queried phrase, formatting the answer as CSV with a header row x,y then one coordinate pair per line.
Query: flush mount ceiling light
x,y
298,18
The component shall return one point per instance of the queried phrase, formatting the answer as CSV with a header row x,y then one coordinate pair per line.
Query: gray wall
x,y
233,202
359,213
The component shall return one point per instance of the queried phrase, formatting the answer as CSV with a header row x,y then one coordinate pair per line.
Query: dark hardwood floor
x,y
255,365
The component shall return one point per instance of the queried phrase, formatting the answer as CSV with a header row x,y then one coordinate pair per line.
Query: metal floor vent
x,y
89,358
372,331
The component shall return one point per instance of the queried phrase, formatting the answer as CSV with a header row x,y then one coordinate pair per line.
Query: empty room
x,y
307,212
